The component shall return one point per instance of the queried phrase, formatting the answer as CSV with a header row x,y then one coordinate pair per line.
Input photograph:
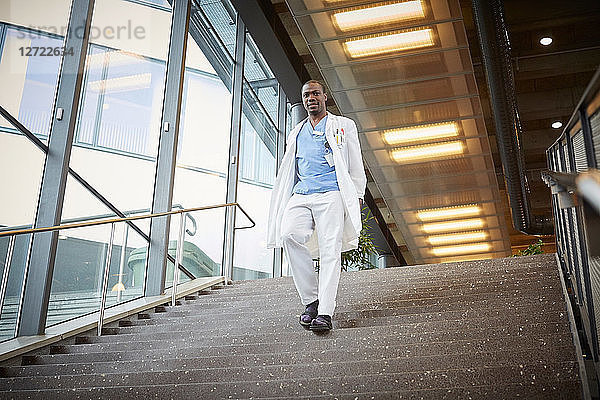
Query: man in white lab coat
x,y
315,203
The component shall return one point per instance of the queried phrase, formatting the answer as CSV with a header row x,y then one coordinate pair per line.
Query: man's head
x,y
314,98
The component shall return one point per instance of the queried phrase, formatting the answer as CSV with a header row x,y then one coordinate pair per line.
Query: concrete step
x,y
331,369
268,327
263,384
374,317
382,354
543,346
535,391
513,316
485,329
381,334
408,307
429,280
399,289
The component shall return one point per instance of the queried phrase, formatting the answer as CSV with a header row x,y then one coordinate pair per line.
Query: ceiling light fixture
x,y
449,212
557,125
457,238
422,132
122,84
427,152
114,58
462,249
546,41
449,226
384,14
388,43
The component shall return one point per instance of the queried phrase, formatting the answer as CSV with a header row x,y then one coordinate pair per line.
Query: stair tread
x,y
265,385
487,329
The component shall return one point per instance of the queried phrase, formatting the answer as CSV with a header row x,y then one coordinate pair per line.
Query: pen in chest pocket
x,y
339,136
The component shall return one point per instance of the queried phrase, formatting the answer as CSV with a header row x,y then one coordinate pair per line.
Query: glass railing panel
x,y
10,306
78,273
202,244
81,258
128,266
80,266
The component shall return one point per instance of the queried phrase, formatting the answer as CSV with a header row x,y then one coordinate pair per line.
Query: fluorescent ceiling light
x,y
122,84
415,153
388,43
557,124
448,212
462,249
449,226
457,238
546,41
423,132
113,58
385,14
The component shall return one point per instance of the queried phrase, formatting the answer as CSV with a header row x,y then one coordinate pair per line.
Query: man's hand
x,y
361,202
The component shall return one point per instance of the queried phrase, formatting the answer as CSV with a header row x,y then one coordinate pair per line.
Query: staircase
x,y
484,329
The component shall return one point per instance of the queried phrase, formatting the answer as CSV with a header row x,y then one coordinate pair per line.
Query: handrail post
x,y
7,261
178,257
122,261
105,280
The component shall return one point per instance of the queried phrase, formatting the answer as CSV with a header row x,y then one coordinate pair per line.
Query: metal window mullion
x,y
3,30
234,149
31,319
579,216
100,103
588,139
279,151
167,149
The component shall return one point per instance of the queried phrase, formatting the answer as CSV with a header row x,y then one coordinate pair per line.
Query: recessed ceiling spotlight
x,y
546,41
557,124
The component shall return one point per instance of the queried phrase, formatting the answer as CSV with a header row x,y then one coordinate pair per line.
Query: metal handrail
x,y
586,184
112,221
134,218
93,217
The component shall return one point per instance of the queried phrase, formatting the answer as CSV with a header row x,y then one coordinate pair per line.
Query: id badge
x,y
329,159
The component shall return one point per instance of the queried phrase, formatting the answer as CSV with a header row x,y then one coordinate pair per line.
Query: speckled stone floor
x,y
493,329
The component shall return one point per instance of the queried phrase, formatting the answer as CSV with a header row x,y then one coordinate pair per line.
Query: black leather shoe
x,y
309,314
321,324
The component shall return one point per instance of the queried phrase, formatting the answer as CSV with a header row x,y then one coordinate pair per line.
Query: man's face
x,y
313,98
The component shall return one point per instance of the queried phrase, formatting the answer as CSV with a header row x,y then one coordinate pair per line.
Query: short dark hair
x,y
317,82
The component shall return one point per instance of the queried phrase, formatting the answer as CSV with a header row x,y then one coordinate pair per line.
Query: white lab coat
x,y
350,176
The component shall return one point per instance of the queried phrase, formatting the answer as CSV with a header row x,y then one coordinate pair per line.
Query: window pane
x,y
258,143
202,162
28,83
122,101
121,106
261,81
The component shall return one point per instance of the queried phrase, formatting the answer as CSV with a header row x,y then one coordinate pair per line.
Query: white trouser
x,y
304,213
